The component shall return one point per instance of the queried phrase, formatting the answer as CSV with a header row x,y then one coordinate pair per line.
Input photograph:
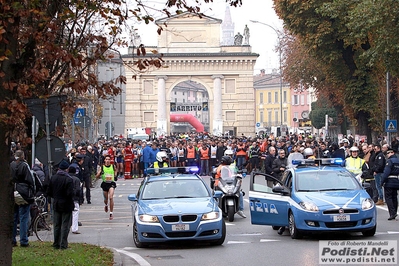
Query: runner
x,y
107,173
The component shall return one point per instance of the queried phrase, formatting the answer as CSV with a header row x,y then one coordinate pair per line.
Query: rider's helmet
x,y
161,156
307,152
354,148
228,153
226,160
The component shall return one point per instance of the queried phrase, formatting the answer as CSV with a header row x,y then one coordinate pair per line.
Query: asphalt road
x,y
245,244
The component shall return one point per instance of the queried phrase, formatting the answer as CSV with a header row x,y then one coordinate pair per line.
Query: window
x,y
295,100
276,115
149,117
175,92
230,115
276,97
261,116
285,96
230,85
269,97
148,86
302,99
261,97
285,116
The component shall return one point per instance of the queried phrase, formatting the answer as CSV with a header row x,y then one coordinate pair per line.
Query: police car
x,y
314,196
175,204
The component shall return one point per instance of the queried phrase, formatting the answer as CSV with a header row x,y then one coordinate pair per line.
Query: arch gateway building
x,y
203,86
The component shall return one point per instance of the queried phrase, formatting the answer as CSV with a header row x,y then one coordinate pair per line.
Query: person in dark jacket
x,y
390,182
220,151
61,191
25,185
269,164
38,169
279,164
87,168
336,152
377,169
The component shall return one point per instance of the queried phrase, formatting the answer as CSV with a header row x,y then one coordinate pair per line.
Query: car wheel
x,y
370,232
136,240
275,227
294,232
230,213
221,240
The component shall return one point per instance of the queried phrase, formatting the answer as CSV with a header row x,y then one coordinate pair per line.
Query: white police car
x,y
315,196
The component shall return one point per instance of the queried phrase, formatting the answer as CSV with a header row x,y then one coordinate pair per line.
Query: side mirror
x,y
366,185
282,190
132,197
217,194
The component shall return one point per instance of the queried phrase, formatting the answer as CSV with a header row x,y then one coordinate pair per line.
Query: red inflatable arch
x,y
199,127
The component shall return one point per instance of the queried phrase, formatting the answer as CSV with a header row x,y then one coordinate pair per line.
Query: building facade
x,y
273,104
193,54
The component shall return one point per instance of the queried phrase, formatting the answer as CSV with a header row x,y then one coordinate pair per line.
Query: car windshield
x,y
177,188
325,181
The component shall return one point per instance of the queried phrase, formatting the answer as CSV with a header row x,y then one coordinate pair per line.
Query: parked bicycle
x,y
42,223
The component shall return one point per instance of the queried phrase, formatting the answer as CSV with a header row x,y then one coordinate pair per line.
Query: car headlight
x,y
367,204
210,216
309,206
148,218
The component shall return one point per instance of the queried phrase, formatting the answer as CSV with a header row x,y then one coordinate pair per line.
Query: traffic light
x,y
109,129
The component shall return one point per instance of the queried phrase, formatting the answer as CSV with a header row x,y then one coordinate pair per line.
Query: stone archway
x,y
194,54
189,107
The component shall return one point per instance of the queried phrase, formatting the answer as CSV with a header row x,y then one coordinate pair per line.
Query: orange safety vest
x,y
241,152
204,154
217,175
191,153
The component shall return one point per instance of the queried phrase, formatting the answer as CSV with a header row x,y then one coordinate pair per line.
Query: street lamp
x,y
281,74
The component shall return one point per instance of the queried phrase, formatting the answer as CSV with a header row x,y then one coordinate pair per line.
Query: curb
x,y
117,258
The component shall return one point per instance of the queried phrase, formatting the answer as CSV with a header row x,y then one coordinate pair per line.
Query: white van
x,y
139,137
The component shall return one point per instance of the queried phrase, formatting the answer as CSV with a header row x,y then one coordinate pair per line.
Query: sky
x,y
263,39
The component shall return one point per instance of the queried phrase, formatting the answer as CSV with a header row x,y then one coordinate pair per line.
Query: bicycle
x,y
42,224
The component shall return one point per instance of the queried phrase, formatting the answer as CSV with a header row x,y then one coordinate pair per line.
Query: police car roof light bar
x,y
320,161
173,170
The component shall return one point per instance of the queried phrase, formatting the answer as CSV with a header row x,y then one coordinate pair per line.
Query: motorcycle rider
x,y
354,163
162,160
228,160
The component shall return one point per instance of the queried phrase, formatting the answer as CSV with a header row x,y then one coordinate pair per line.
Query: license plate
x,y
341,218
180,227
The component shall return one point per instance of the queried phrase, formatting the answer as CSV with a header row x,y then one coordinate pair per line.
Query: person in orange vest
x,y
191,158
226,160
205,154
241,153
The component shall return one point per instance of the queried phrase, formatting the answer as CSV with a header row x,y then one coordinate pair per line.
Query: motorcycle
x,y
230,184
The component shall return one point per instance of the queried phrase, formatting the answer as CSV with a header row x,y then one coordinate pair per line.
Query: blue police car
x,y
313,197
175,204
